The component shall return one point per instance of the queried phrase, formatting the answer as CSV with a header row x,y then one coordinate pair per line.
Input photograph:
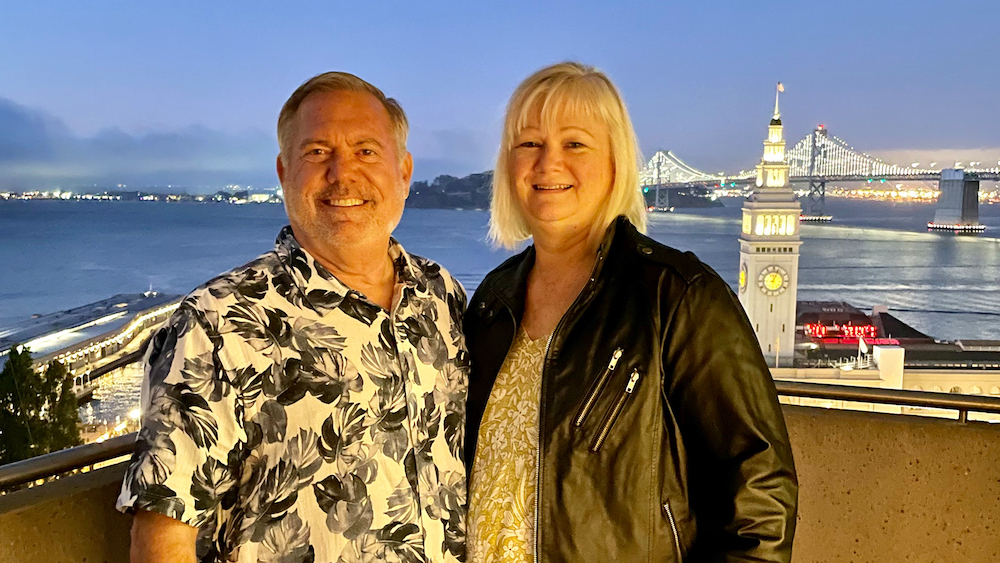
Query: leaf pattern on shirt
x,y
293,420
347,504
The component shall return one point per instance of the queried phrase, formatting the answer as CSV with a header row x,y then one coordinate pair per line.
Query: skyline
x,y
188,94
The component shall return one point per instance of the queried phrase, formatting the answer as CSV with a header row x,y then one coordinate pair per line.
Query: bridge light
x,y
645,190
882,180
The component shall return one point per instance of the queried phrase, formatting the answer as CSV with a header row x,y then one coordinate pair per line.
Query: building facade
x,y
769,251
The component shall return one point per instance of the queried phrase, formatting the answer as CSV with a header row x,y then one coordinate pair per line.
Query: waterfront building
x,y
769,250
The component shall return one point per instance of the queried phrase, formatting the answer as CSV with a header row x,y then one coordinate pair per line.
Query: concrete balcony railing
x,y
874,487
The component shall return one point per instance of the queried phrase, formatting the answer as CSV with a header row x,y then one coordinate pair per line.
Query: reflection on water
x,y
116,395
874,253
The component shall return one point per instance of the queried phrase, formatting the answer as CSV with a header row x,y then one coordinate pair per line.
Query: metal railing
x,y
964,404
55,463
63,461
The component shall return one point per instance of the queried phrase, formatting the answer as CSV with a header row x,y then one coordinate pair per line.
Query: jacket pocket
x,y
615,410
595,390
673,530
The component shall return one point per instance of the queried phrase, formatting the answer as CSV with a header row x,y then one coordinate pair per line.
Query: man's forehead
x,y
342,112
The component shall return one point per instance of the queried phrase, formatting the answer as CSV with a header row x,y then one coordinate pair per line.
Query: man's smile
x,y
344,202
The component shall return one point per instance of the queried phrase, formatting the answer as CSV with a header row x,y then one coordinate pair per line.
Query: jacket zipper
x,y
673,528
538,448
596,388
614,411
541,404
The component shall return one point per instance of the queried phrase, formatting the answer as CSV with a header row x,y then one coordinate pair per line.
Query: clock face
x,y
773,280
743,277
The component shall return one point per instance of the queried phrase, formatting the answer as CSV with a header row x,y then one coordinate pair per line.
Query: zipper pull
x,y
614,359
596,388
632,381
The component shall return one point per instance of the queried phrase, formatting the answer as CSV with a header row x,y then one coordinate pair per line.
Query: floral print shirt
x,y
505,476
293,420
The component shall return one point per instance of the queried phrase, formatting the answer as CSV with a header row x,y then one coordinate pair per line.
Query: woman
x,y
619,406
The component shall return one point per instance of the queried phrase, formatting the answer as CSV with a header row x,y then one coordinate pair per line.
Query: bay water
x,y
56,255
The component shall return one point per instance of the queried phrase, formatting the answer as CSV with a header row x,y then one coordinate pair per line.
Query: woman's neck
x,y
556,253
561,270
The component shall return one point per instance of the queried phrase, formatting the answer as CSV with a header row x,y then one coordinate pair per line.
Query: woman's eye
x,y
529,144
575,145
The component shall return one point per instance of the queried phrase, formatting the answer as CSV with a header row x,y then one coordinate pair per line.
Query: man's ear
x,y
407,171
280,165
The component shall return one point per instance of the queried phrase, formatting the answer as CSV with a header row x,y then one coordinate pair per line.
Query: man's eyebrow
x,y
308,142
358,143
368,141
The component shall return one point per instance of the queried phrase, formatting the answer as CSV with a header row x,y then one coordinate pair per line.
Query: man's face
x,y
343,179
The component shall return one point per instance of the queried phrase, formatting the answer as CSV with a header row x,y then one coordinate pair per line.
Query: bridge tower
x,y
816,200
958,204
769,251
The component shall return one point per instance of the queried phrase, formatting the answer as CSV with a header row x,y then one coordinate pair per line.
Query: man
x,y
310,405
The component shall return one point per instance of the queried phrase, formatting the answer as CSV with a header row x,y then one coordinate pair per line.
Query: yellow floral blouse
x,y
502,490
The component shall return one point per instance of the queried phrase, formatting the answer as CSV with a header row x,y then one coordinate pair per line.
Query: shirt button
x,y
482,305
645,250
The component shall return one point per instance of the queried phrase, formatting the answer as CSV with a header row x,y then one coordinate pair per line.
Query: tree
x,y
38,410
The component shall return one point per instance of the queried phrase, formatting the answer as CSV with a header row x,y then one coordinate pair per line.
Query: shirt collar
x,y
320,288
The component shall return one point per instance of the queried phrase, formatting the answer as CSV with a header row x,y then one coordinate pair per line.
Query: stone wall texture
x,y
873,488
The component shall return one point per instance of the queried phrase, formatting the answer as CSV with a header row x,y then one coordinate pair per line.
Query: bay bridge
x,y
815,160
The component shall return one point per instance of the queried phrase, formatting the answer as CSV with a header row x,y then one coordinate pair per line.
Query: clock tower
x,y
769,250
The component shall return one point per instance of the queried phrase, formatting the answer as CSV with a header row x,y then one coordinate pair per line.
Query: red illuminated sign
x,y
817,330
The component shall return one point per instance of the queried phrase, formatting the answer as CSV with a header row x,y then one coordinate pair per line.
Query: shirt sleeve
x,y
188,450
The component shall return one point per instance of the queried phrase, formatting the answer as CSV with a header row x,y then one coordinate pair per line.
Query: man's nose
x,y
337,167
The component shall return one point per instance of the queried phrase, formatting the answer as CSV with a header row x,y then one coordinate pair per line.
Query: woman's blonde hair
x,y
574,87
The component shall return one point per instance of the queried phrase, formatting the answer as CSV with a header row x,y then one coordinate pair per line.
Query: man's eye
x,y
366,152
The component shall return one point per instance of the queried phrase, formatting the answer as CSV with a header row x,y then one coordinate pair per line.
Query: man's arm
x,y
161,539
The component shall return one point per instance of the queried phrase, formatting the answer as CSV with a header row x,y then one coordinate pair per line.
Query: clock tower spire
x,y
769,250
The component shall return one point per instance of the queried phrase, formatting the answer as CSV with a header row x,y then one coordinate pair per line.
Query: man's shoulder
x,y
436,276
251,280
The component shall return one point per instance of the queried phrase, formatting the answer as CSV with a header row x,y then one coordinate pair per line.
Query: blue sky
x,y
187,92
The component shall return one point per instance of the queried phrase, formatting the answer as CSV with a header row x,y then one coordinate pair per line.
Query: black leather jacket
x,y
677,450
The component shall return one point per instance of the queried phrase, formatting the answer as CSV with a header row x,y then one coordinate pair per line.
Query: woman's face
x,y
562,172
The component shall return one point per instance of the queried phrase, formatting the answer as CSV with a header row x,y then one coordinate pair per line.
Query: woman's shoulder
x,y
653,254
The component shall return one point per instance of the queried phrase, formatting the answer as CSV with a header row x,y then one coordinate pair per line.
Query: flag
x,y
862,345
781,87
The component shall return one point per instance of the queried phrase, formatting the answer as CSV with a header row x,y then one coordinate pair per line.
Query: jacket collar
x,y
508,284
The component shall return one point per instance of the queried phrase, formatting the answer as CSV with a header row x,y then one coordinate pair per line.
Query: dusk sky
x,y
187,93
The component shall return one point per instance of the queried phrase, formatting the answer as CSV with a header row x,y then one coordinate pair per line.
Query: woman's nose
x,y
549,158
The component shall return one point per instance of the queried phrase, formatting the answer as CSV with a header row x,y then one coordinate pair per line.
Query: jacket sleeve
x,y
742,478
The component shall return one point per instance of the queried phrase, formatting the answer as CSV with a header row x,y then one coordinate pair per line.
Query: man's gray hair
x,y
340,82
